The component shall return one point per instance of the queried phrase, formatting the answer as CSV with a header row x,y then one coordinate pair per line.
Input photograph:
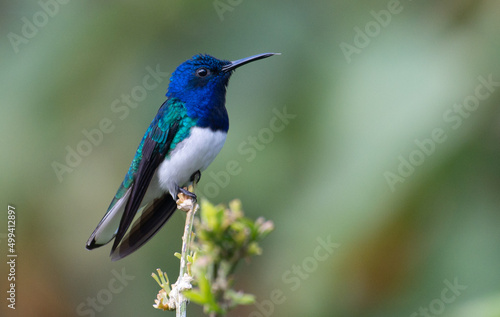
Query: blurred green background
x,y
415,220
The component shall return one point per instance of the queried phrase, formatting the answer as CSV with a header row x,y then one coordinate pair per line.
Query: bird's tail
x,y
152,219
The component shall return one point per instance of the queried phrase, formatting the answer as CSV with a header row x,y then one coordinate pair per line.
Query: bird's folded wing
x,y
153,154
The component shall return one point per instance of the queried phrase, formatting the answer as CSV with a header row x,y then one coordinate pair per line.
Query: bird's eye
x,y
202,72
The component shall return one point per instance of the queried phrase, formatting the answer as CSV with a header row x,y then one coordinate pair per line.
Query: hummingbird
x,y
185,136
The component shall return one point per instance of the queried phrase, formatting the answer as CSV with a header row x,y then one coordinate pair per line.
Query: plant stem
x,y
181,304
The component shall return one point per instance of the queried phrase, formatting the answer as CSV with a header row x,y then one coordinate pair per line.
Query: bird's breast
x,y
192,154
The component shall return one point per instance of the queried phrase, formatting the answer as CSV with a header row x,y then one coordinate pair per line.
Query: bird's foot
x,y
187,199
184,191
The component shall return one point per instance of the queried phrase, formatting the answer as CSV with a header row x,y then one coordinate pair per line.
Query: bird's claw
x,y
186,196
186,201
186,192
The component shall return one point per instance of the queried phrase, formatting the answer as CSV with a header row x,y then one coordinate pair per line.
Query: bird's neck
x,y
208,107
216,120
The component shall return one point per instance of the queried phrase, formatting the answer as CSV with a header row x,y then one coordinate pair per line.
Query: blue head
x,y
200,83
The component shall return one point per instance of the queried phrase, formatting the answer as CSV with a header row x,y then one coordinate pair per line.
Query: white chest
x,y
192,154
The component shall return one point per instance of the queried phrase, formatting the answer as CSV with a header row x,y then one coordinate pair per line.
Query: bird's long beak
x,y
235,64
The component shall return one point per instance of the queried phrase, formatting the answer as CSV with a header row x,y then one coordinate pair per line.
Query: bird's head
x,y
201,81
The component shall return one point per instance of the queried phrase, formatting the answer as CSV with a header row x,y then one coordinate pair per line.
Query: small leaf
x,y
207,213
204,285
219,218
195,296
235,205
240,298
203,295
254,249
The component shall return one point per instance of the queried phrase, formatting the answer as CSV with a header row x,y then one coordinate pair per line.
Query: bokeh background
x,y
365,87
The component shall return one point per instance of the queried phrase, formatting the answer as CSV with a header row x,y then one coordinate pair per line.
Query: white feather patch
x,y
193,154
106,229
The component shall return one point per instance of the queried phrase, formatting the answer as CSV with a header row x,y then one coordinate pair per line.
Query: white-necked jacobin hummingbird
x,y
185,136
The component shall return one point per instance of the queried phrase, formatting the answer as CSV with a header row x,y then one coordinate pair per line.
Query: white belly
x,y
193,154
